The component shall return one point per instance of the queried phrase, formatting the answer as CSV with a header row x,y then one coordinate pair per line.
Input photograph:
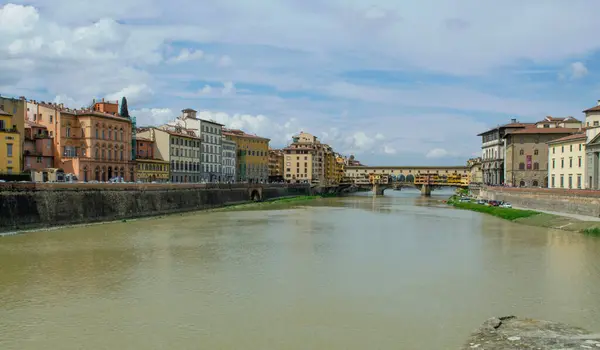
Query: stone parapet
x,y
38,205
582,202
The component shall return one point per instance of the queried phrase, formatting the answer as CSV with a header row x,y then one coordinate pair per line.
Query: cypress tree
x,y
124,110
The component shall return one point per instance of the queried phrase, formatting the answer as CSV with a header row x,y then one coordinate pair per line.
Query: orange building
x,y
92,143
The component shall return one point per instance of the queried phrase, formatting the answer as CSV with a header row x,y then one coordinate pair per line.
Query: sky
x,y
393,82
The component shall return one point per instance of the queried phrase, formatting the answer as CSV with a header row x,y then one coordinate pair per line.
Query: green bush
x,y
504,213
592,231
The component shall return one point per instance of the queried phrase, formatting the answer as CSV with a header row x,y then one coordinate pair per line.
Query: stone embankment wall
x,y
30,206
583,202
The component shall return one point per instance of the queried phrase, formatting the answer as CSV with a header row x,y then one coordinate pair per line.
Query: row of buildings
x,y
97,143
553,152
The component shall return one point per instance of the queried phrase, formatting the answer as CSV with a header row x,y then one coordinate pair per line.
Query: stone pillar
x,y
426,190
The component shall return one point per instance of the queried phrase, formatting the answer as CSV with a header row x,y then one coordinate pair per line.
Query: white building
x,y
228,165
211,134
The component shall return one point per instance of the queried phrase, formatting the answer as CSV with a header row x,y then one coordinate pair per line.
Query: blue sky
x,y
393,82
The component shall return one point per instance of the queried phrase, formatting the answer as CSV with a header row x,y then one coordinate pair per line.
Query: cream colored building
x,y
298,163
554,122
566,162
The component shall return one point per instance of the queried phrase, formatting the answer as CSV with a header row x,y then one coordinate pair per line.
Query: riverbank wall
x,y
582,202
40,205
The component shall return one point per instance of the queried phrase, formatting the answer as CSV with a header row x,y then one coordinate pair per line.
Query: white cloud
x,y
137,92
387,149
206,89
225,61
228,88
186,55
578,70
437,153
152,116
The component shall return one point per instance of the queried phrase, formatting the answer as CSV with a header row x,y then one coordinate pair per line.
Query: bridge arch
x,y
410,178
401,178
255,195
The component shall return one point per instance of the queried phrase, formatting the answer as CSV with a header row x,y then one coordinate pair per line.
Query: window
x,y
521,152
570,148
110,133
68,131
562,181
103,135
554,150
570,162
96,131
562,149
579,181
596,123
553,184
553,163
580,146
579,161
535,152
521,166
562,163
50,118
570,181
536,166
9,150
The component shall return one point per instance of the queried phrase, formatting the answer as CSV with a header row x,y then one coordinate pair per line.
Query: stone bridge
x,y
425,178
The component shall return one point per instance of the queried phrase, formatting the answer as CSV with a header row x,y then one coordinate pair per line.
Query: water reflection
x,y
399,271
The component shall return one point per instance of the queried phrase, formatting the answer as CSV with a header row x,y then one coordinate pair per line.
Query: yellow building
x,y
10,145
309,160
567,162
17,108
330,166
252,156
339,168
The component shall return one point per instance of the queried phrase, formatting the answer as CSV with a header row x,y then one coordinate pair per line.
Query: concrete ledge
x,y
521,333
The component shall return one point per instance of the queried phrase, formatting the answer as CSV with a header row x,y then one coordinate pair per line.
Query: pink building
x,y
38,148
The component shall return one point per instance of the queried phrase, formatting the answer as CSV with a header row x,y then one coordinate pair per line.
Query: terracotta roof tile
x,y
543,131
4,113
30,123
578,136
593,109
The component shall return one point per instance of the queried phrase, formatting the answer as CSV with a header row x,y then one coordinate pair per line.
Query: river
x,y
392,272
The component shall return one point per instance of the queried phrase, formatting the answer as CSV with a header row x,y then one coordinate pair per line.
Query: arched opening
x,y
85,174
410,178
401,178
122,173
255,196
522,183
535,183
104,174
110,173
97,174
546,181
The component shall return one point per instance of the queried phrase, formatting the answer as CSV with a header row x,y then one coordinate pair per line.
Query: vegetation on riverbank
x,y
532,217
504,213
592,231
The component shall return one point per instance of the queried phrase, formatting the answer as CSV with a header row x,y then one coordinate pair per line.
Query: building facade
x,y
252,156
149,168
93,143
181,148
526,155
492,151
38,148
276,165
17,109
554,122
592,149
228,160
210,133
304,149
475,171
566,162
299,161
10,145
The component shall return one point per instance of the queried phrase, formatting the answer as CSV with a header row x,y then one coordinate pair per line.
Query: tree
x,y
124,110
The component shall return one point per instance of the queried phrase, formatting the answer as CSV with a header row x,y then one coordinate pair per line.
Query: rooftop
x,y
574,137
559,119
543,131
240,133
513,124
4,113
29,123
596,108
